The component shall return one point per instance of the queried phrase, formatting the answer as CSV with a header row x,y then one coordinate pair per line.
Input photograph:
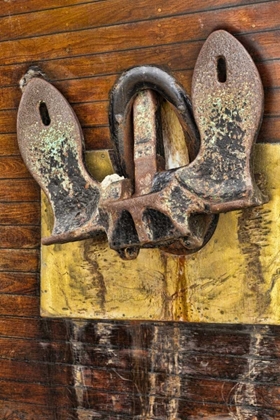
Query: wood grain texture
x,y
19,283
95,14
25,213
126,36
80,370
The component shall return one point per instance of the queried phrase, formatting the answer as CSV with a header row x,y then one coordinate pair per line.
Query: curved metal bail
x,y
51,144
122,95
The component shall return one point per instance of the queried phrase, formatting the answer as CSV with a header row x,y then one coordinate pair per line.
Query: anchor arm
x,y
51,144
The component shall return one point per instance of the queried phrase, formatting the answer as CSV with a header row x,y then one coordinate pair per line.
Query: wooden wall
x,y
62,369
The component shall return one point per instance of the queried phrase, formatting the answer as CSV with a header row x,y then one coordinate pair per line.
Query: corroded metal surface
x,y
228,114
51,141
146,204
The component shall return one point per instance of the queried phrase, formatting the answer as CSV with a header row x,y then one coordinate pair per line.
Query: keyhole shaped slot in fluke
x,y
221,69
44,113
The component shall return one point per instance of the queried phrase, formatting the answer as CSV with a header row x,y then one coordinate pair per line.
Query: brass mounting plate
x,y
233,279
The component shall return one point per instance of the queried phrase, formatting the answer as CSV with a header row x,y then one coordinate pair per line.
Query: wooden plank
x,y
262,46
272,102
92,113
123,380
91,64
43,395
20,214
18,260
13,167
15,305
36,350
8,145
209,366
116,384
19,190
97,138
19,283
94,15
270,130
32,328
10,98
211,393
193,337
121,404
8,121
12,410
13,7
142,34
32,372
20,237
188,409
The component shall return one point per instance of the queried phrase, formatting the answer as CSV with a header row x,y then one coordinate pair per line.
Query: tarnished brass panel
x,y
234,278
99,163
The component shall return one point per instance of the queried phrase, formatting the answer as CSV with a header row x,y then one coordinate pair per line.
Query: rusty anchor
x,y
148,202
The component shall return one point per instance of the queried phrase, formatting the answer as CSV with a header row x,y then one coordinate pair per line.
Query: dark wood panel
x,y
13,7
16,190
10,410
142,34
19,237
272,102
31,328
92,15
8,121
18,260
270,130
31,372
36,350
120,385
90,114
186,409
8,145
97,138
13,167
19,283
27,393
15,305
20,213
